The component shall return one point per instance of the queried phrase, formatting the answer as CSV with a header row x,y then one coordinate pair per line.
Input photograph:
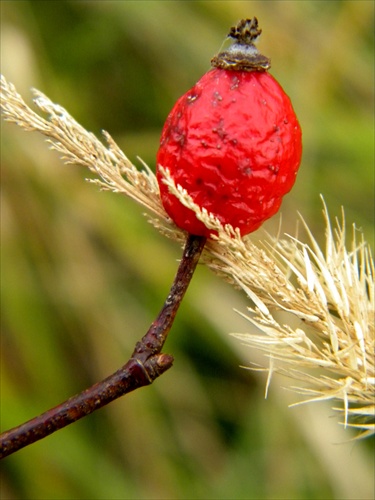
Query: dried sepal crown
x,y
246,31
243,55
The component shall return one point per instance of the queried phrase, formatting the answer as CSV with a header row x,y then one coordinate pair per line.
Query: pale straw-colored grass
x,y
313,308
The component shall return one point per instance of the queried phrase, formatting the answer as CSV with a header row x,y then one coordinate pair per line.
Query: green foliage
x,y
83,274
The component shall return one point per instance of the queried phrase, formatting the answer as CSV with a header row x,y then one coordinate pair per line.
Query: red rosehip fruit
x,y
233,141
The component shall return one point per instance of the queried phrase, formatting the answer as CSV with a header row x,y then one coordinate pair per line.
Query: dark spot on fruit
x,y
276,128
220,131
234,142
285,121
217,97
179,136
244,167
235,83
198,181
191,98
273,169
204,143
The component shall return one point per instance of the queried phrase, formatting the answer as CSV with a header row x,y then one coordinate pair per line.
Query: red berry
x,y
233,141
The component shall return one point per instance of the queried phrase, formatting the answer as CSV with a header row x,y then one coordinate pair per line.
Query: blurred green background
x,y
83,274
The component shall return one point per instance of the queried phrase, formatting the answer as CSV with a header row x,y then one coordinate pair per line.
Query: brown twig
x,y
145,365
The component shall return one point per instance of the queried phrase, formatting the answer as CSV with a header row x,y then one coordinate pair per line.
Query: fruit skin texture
x,y
234,143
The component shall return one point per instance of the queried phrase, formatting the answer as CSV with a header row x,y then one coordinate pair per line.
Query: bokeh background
x,y
83,274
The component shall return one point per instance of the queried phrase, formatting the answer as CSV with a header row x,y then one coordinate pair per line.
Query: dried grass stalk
x,y
328,295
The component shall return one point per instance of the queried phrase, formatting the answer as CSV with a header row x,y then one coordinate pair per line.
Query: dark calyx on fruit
x,y
243,55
